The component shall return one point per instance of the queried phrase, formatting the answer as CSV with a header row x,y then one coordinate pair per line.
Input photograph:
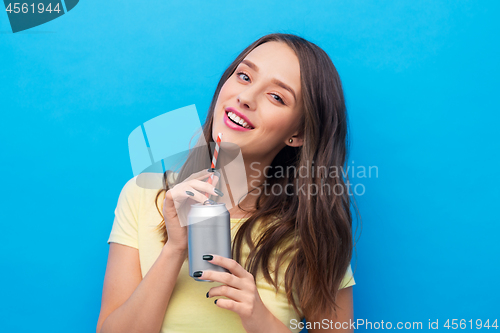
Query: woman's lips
x,y
232,125
240,115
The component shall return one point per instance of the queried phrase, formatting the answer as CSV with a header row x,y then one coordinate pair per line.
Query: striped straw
x,y
214,159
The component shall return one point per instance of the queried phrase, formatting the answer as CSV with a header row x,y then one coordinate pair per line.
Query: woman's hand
x,y
178,201
239,286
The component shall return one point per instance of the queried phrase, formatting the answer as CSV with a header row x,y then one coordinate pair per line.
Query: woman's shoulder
x,y
144,187
153,181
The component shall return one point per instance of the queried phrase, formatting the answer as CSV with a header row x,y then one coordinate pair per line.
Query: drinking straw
x,y
214,159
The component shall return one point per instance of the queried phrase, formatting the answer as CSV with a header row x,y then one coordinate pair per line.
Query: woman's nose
x,y
246,99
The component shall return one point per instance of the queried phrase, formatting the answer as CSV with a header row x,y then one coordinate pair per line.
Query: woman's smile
x,y
236,120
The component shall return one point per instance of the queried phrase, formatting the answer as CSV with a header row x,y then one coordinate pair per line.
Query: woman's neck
x,y
241,186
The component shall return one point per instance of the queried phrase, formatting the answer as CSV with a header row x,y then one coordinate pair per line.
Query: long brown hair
x,y
320,225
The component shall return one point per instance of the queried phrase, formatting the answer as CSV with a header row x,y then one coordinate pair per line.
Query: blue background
x,y
420,80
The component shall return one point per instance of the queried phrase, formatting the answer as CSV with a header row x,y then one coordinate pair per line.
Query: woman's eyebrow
x,y
284,86
250,64
274,81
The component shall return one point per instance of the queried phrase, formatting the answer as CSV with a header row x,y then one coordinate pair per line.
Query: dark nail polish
x,y
218,192
207,295
190,193
215,302
211,170
208,257
197,274
209,202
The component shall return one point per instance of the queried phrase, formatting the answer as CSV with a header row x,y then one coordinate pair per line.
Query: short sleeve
x,y
125,225
348,279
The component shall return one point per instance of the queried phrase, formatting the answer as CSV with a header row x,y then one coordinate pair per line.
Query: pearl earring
x,y
291,140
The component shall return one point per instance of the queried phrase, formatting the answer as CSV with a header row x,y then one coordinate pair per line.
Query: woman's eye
x,y
276,97
243,76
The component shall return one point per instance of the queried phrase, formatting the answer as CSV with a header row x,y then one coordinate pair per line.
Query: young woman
x,y
291,248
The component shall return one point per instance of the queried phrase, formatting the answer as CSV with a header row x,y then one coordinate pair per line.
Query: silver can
x,y
209,232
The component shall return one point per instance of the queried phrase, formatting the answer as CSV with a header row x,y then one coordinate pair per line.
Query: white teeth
x,y
238,120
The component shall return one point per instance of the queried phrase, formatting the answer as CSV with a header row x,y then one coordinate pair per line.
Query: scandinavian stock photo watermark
x,y
353,176
431,324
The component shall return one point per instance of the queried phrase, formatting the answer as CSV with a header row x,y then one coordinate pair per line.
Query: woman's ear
x,y
297,140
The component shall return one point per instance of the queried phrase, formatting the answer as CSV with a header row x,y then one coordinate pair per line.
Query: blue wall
x,y
420,80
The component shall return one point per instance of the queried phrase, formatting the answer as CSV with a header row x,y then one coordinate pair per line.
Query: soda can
x,y
209,232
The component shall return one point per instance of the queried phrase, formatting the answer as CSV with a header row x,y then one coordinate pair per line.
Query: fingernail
x,y
207,294
208,257
209,201
215,302
190,193
197,274
218,192
211,170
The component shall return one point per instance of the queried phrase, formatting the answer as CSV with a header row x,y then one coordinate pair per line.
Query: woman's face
x,y
264,91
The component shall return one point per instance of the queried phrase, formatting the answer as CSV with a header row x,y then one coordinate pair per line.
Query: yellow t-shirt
x,y
136,218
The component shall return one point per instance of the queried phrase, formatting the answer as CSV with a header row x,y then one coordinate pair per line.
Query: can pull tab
x,y
209,202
